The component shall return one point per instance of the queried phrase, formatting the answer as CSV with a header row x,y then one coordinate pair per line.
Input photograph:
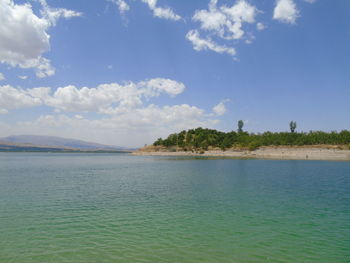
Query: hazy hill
x,y
52,141
26,147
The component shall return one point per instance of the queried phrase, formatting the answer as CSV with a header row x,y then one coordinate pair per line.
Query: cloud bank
x,y
124,110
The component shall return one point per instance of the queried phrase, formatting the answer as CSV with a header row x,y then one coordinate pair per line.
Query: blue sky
x,y
127,72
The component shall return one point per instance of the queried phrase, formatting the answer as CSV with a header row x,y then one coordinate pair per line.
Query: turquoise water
x,y
121,208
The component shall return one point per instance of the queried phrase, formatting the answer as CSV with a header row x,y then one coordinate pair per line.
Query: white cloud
x,y
53,14
160,12
41,93
23,77
127,117
133,128
98,99
77,116
166,13
24,37
310,1
285,11
154,87
200,44
241,12
220,109
106,98
122,5
224,22
211,20
2,77
260,26
12,98
110,98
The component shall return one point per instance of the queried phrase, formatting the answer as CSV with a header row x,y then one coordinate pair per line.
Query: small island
x,y
313,145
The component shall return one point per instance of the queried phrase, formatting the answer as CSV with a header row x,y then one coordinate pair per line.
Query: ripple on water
x,y
117,208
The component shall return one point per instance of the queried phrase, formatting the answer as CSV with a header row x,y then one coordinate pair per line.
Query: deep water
x,y
69,207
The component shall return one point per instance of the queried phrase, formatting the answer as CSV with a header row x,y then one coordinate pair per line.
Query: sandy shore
x,y
280,153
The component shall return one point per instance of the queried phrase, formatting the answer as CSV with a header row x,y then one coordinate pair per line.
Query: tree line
x,y
203,139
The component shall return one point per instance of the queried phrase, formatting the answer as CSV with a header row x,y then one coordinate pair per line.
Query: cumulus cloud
x,y
23,77
109,98
41,93
2,77
98,99
286,11
220,109
127,115
134,129
128,118
154,87
12,98
166,13
23,35
224,22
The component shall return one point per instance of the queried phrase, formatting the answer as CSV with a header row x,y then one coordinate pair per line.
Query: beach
x,y
276,153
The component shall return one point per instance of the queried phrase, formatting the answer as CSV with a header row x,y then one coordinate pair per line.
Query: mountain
x,y
25,147
56,142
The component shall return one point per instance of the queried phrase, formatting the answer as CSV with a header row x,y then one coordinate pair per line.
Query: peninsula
x,y
314,145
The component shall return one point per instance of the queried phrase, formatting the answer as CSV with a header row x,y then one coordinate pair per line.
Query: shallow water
x,y
121,208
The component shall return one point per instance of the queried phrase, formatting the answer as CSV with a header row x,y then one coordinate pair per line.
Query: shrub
x,y
254,145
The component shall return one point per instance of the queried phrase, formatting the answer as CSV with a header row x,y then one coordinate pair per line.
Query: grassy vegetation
x,y
203,139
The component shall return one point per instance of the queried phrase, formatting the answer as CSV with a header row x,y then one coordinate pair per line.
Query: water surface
x,y
70,207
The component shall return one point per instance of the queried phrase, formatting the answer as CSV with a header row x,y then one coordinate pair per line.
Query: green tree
x,y
181,139
240,126
292,126
225,144
204,145
204,138
158,142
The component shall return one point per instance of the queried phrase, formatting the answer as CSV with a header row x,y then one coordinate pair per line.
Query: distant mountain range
x,y
52,143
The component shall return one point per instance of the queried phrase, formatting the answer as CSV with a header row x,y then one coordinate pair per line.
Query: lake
x,y
69,207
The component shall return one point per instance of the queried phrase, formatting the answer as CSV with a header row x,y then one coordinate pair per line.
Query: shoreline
x,y
274,153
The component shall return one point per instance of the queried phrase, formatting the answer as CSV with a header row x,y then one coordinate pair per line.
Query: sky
x,y
126,72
